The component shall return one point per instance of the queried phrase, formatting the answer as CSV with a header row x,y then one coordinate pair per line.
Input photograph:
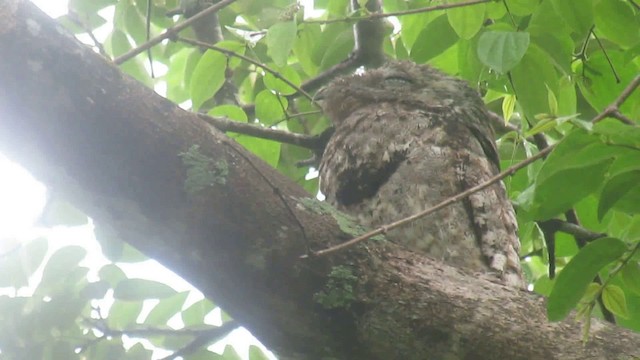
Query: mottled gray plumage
x,y
407,137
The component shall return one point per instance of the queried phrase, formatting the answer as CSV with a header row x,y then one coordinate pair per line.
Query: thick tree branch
x,y
112,146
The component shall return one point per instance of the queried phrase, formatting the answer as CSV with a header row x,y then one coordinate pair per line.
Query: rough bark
x,y
112,147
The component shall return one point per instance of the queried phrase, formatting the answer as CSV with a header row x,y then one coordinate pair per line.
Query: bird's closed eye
x,y
397,81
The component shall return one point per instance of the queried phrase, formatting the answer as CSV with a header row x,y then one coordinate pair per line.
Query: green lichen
x,y
339,291
346,222
202,171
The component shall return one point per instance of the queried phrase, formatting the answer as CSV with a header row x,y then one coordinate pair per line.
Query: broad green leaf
x,y
270,107
614,300
141,289
112,274
95,290
16,268
230,353
531,78
334,47
280,39
83,7
616,20
502,50
575,277
578,14
435,38
166,309
413,25
613,132
232,112
466,20
255,353
135,25
575,169
307,38
59,212
61,264
139,352
91,21
208,77
195,314
279,86
546,19
267,150
599,85
522,7
558,48
631,276
123,314
616,188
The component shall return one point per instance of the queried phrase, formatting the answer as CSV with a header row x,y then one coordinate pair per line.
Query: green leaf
x,y
61,264
123,314
616,20
502,50
614,300
267,150
575,277
280,39
279,86
255,353
112,274
434,39
508,104
578,14
89,6
141,289
59,212
208,77
466,20
195,314
616,188
522,7
631,276
600,87
575,169
166,309
270,107
232,112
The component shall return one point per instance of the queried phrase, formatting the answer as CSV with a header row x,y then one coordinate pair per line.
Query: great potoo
x,y
407,137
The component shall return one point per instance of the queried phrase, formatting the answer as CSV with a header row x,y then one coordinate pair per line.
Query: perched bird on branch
x,y
407,137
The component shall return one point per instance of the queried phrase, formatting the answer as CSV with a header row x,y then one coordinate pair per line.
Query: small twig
x,y
172,31
615,106
249,60
400,13
314,142
438,206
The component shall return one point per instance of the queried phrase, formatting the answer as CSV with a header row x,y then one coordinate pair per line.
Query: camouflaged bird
x,y
406,138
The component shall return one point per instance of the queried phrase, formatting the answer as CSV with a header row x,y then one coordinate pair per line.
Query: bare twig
x,y
401,13
172,31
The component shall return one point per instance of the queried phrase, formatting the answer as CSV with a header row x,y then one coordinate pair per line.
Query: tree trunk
x,y
121,153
